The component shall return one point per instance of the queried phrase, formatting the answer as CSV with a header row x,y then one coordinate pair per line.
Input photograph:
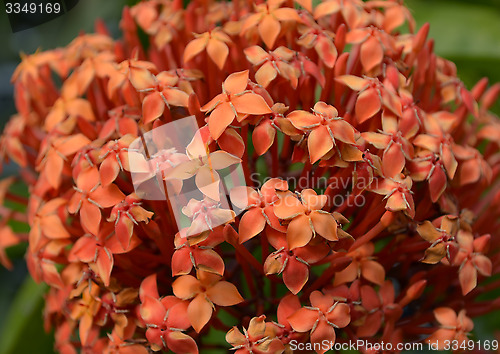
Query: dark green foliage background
x,y
465,31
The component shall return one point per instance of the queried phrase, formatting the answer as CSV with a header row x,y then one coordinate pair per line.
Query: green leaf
x,y
23,329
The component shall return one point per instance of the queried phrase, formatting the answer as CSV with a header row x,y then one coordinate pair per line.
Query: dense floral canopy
x,y
371,200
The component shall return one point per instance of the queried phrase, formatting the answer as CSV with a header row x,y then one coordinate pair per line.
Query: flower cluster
x,y
285,90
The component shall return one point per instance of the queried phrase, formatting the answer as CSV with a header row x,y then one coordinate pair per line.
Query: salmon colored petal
x,y
287,307
288,207
269,29
209,261
357,35
181,262
312,200
299,232
446,316
104,265
326,50
108,196
286,14
181,343
176,97
470,172
251,224
141,79
373,271
90,217
263,136
219,119
450,163
323,333
255,54
483,264
371,53
355,83
149,288
53,169
343,131
224,293
235,337
319,143
437,184
371,325
380,141
428,232
251,103
303,120
199,312
393,160
153,107
220,159
207,181
53,228
326,8
152,311
325,225
295,275
468,277
340,316
186,287
236,82
265,74
232,142
195,47
396,202
108,171
218,52
303,320
367,105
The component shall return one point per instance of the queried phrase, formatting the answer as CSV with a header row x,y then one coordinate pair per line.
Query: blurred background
x,y
465,31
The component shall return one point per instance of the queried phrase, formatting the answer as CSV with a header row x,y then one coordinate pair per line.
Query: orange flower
x,y
159,92
293,264
197,252
214,41
325,127
271,64
205,291
233,102
259,338
362,265
398,193
259,206
380,308
321,318
203,165
306,219
471,259
205,215
54,154
373,95
165,319
47,224
268,18
394,141
453,328
374,44
89,197
439,237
